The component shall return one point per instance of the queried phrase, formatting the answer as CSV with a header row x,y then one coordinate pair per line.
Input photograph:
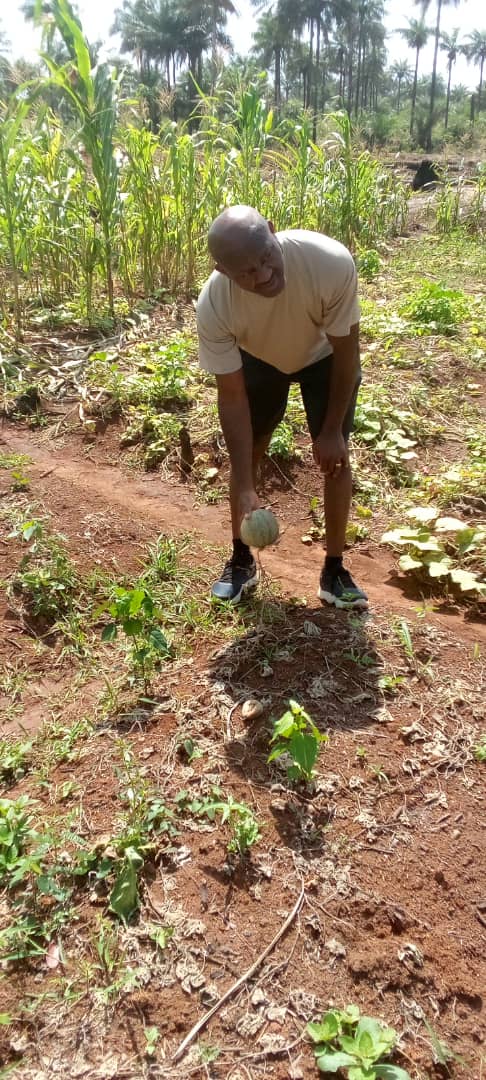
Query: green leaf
x,y
136,600
158,641
325,1031
124,899
110,632
467,581
303,749
391,1072
331,1062
284,727
422,513
449,524
406,562
438,569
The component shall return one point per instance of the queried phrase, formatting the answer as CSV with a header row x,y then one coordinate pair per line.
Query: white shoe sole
x,y
244,588
329,598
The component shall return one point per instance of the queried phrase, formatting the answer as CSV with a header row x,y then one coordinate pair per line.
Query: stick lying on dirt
x,y
243,979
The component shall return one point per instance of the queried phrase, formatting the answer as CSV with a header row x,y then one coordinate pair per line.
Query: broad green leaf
x,y
406,562
124,899
449,524
399,536
327,1029
382,1038
467,581
331,1062
391,1072
158,641
438,568
109,633
422,513
430,544
284,726
303,749
136,600
360,1072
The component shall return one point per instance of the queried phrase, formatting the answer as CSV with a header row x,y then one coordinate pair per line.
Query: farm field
x,y
150,851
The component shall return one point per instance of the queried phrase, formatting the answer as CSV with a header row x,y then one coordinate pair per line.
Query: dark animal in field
x,y
426,174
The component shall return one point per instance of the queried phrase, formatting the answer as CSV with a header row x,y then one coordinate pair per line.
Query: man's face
x,y
260,271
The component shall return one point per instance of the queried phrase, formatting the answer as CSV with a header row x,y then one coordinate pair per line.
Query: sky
x,y
97,18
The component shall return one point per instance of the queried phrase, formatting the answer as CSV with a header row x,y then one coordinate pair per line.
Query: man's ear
x,y
271,226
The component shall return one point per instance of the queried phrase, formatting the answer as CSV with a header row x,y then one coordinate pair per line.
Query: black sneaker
x,y
337,587
234,581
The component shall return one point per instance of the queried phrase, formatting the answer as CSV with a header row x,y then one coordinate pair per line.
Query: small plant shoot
x,y
345,1040
296,736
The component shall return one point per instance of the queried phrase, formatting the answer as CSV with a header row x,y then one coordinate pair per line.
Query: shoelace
x,y
229,569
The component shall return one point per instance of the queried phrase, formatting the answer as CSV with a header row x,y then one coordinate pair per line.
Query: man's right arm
x,y
234,415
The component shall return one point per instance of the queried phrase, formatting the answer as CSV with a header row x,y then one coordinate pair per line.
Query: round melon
x,y
259,529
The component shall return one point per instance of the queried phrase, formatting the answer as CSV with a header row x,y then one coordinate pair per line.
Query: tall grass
x,y
91,201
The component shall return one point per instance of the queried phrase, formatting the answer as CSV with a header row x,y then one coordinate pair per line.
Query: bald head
x,y
245,249
237,232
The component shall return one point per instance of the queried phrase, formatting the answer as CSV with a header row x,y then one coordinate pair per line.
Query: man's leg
x,y
337,504
267,391
336,585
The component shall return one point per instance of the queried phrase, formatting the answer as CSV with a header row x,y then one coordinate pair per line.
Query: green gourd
x,y
259,529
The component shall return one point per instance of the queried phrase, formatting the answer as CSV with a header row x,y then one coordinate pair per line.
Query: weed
x,y
282,444
295,735
152,1036
440,548
14,759
346,1040
435,309
134,611
480,749
368,263
46,581
243,823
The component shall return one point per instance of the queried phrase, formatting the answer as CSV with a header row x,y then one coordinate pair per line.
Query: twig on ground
x,y
240,982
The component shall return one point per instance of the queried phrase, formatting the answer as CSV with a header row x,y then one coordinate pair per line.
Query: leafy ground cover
x,y
156,834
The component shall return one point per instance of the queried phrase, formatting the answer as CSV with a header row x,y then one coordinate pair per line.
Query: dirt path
x,y
169,506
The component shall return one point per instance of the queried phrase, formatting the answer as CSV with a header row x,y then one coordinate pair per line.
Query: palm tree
x,y
415,35
425,4
400,71
475,50
449,45
271,40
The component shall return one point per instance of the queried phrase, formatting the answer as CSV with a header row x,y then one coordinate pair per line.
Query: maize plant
x,y
93,94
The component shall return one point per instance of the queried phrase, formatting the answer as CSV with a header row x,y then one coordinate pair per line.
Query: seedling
x,y
243,823
480,750
14,758
135,613
297,736
46,581
152,1035
345,1040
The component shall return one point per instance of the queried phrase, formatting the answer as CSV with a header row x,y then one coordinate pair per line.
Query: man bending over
x,y
282,308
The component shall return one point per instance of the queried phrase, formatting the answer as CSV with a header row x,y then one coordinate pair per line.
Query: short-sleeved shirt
x,y
287,331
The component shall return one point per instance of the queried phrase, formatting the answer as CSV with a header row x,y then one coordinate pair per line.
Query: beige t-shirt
x,y
288,330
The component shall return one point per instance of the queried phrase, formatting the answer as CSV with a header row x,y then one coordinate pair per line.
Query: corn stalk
x,y
15,190
93,93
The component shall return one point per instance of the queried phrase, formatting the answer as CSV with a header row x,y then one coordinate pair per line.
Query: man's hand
x,y
248,501
330,452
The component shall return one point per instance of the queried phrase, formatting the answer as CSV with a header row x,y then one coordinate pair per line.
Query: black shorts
x,y
268,391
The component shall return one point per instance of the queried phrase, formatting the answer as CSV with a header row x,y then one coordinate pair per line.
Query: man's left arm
x,y
330,448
